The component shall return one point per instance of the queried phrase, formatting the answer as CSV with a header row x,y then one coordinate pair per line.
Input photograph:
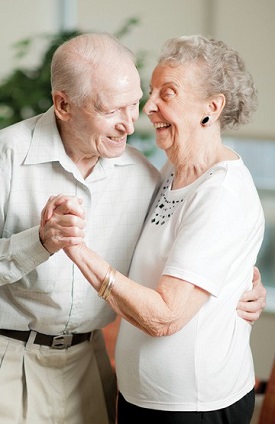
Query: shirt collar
x,y
46,144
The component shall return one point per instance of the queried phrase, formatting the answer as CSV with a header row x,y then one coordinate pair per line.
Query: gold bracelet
x,y
107,283
104,283
110,284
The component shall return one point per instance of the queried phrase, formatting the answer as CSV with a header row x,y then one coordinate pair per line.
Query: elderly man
x,y
77,147
54,365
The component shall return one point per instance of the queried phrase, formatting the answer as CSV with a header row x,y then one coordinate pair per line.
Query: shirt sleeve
x,y
20,254
212,233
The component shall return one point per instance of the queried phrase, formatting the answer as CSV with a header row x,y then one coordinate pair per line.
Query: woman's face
x,y
175,107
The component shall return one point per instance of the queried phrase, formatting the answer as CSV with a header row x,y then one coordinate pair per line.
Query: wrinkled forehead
x,y
181,74
117,86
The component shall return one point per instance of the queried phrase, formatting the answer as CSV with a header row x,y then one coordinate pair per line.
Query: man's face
x,y
102,125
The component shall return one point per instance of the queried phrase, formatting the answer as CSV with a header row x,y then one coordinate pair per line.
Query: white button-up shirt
x,y
48,293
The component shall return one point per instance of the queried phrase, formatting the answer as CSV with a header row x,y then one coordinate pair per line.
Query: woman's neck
x,y
190,169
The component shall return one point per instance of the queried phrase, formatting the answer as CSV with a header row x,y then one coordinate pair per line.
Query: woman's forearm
x,y
154,312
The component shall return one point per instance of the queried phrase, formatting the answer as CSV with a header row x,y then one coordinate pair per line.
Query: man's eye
x,y
110,112
134,105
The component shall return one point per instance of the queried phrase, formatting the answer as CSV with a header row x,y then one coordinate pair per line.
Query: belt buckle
x,y
63,341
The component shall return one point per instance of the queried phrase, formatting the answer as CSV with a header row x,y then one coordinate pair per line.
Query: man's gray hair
x,y
76,61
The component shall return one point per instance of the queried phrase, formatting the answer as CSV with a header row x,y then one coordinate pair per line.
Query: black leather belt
x,y
62,341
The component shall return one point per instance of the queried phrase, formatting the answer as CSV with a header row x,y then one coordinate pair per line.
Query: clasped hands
x,y
62,223
62,227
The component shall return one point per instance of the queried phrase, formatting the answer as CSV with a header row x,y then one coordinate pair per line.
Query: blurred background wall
x,y
247,25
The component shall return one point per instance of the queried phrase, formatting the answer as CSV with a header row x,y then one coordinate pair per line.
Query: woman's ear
x,y
61,105
216,106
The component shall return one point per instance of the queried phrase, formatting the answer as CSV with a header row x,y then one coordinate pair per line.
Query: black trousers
x,y
239,413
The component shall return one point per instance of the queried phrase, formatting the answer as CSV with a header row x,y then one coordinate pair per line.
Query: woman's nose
x,y
150,106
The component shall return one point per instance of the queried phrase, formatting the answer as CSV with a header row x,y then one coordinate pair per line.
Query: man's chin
x,y
116,150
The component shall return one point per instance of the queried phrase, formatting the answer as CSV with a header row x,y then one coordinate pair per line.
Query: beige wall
x,y
263,344
249,26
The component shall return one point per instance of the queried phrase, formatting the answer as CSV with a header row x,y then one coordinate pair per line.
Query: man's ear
x,y
61,105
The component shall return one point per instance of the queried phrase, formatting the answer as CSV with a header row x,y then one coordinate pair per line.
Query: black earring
x,y
205,120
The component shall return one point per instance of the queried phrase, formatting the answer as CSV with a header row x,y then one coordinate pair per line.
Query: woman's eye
x,y
168,93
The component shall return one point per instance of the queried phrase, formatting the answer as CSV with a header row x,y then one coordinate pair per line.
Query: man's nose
x,y
127,123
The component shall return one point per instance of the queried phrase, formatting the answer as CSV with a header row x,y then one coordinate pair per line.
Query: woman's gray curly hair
x,y
223,71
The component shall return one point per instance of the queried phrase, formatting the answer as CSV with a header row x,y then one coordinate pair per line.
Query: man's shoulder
x,y
16,133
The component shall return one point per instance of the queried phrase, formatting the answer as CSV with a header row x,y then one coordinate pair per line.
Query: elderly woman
x,y
183,353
